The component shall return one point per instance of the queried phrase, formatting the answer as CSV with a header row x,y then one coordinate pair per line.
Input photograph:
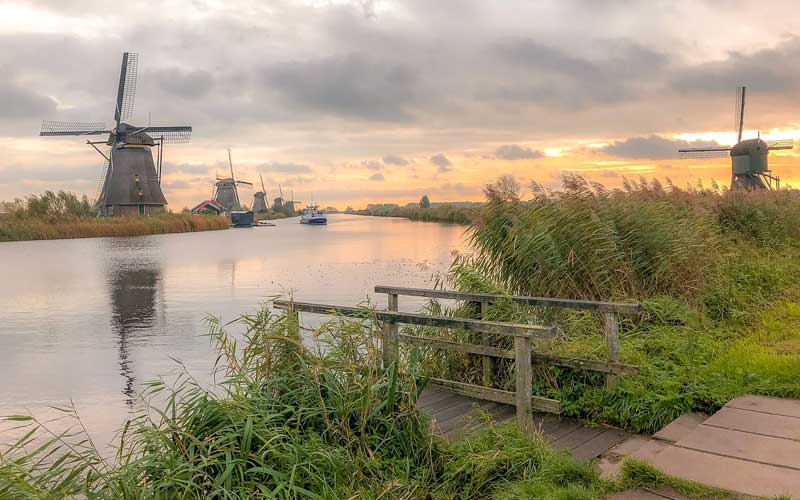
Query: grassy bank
x,y
65,215
289,422
715,270
443,213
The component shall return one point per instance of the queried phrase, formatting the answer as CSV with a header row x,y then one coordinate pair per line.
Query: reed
x,y
715,271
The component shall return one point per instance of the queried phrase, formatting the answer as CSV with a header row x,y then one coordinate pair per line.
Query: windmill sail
x,y
126,91
702,153
130,183
738,123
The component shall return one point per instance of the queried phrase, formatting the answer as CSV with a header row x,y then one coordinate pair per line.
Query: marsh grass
x,y
715,271
289,421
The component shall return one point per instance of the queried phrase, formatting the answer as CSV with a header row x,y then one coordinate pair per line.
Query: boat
x,y
313,215
264,223
243,218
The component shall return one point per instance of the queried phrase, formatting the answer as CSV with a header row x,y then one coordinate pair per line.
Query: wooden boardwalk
x,y
751,446
455,415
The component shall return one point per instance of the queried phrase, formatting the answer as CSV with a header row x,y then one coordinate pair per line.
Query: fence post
x,y
488,361
612,346
524,389
293,322
391,346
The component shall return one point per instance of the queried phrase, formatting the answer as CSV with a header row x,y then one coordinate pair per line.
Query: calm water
x,y
91,319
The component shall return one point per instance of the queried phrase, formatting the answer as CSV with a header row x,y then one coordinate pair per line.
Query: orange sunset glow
x,y
336,114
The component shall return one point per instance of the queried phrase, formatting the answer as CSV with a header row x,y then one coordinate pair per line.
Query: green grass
x,y
716,272
287,421
443,213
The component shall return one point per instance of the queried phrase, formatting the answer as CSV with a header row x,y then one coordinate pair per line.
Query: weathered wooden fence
x,y
522,354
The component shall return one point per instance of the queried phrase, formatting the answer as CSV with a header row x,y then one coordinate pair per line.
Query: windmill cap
x,y
749,147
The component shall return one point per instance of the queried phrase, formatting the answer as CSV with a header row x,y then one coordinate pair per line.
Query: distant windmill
x,y
226,192
260,198
749,166
131,182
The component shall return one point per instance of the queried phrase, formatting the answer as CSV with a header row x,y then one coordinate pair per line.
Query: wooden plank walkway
x,y
750,446
455,415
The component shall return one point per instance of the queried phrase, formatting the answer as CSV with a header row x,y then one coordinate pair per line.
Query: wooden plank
x,y
744,445
584,364
391,344
429,396
733,474
472,412
456,346
579,364
496,395
556,428
492,327
599,445
575,439
443,404
455,412
487,362
612,346
756,422
524,384
764,404
587,305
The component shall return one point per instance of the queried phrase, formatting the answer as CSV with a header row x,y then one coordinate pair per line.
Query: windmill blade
x,y
704,153
779,144
738,123
244,182
55,128
263,189
170,135
126,92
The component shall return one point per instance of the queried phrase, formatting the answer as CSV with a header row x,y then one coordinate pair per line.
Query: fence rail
x,y
610,310
522,353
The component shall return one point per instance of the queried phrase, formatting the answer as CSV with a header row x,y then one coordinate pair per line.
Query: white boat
x,y
313,215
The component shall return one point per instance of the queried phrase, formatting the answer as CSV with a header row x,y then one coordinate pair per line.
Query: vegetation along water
x,y
713,269
66,215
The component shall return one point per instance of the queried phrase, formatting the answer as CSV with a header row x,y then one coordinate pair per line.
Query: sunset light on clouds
x,y
356,102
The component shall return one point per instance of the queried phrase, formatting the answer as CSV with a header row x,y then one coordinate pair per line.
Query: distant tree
x,y
505,189
425,202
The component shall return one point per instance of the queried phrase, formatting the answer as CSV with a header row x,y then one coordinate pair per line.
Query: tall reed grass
x,y
288,421
710,267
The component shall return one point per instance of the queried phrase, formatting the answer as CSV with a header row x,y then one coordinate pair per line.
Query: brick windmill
x,y
749,165
131,181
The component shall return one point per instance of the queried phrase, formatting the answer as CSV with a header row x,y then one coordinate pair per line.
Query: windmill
x,y
225,189
260,198
131,181
749,166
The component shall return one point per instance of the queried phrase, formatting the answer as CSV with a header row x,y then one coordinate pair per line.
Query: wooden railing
x,y
611,311
522,353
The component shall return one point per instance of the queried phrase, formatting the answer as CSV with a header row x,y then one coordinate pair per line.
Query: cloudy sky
x,y
360,101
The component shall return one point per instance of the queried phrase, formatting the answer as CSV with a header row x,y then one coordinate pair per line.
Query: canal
x,y
90,320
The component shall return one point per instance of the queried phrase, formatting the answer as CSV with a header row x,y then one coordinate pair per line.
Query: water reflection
x,y
135,288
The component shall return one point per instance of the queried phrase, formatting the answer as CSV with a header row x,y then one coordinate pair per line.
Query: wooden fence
x,y
522,354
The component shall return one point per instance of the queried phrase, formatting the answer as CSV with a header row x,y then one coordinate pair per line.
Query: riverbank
x,y
714,270
23,229
443,213
290,421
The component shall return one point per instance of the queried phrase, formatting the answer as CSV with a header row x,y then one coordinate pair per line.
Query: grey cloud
x,y
286,168
516,152
19,102
376,177
184,84
351,86
652,147
179,185
372,164
441,161
190,168
395,160
771,70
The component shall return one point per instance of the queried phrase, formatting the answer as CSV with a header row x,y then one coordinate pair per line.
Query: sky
x,y
368,101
